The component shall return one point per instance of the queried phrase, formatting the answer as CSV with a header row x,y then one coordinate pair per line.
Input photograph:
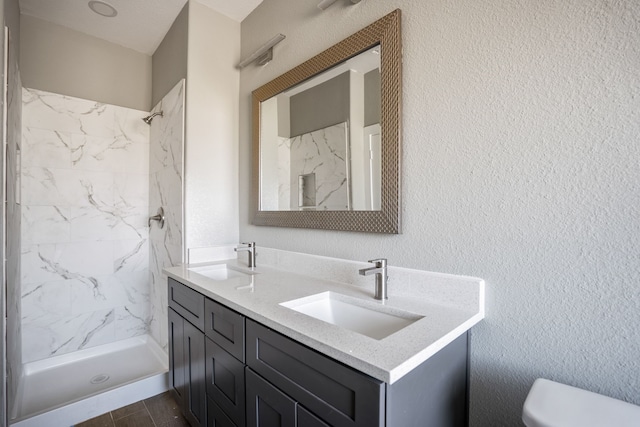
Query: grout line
x,y
146,408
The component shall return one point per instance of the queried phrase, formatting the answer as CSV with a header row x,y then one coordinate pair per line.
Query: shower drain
x,y
99,379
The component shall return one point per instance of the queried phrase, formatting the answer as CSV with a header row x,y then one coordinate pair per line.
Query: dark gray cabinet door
x,y
225,382
216,416
266,405
225,327
176,356
195,394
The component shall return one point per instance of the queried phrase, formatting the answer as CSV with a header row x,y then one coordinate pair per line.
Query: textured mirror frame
x,y
386,32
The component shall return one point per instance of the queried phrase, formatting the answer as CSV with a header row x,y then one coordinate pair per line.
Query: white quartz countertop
x,y
259,294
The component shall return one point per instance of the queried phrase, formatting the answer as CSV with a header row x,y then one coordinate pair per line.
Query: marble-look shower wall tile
x,y
284,173
167,139
171,233
100,293
114,223
163,256
132,320
165,190
158,320
109,154
323,153
45,224
61,261
165,187
46,148
85,187
129,127
131,255
67,188
166,152
55,335
135,285
45,110
132,189
45,299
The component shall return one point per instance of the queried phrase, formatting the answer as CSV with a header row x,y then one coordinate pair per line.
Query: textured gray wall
x,y
211,129
56,59
170,58
521,124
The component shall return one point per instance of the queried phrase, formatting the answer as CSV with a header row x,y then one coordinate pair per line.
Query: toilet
x,y
551,404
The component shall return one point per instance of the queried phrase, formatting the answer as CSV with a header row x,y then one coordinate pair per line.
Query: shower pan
x,y
77,386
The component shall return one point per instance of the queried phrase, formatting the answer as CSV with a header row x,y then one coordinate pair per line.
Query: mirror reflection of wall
x,y
328,126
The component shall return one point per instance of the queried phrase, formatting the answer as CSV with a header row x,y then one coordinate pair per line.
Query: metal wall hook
x,y
158,217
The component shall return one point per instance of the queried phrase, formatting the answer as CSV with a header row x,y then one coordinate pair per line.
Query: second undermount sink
x,y
219,272
356,315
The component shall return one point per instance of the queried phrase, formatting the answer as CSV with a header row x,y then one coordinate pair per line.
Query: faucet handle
x,y
380,262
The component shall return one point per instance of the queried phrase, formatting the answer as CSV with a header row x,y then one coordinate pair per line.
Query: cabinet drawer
x,y
337,394
187,303
225,327
225,382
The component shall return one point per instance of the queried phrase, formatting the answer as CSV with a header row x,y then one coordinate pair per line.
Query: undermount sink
x,y
356,315
219,272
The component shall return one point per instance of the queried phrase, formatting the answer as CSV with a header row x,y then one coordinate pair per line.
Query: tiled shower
x,y
91,176
85,243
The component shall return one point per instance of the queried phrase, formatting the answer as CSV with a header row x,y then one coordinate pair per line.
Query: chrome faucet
x,y
380,270
251,249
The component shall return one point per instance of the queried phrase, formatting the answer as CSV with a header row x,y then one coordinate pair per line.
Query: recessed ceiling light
x,y
102,8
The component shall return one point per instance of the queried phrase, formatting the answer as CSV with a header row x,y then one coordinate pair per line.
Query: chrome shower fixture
x,y
149,119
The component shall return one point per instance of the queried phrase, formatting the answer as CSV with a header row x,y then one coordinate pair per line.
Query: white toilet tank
x,y
551,404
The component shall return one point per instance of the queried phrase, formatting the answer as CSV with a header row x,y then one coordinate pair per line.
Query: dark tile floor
x,y
156,411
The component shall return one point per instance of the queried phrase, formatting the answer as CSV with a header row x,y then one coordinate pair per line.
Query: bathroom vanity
x,y
243,350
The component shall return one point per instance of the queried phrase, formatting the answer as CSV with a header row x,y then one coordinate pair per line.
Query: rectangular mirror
x,y
320,140
327,137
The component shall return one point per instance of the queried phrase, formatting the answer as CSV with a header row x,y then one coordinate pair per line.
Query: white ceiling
x,y
140,24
